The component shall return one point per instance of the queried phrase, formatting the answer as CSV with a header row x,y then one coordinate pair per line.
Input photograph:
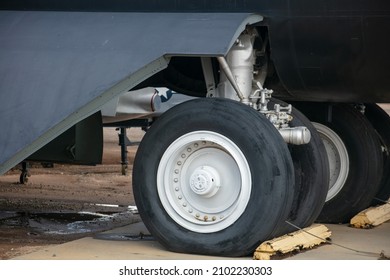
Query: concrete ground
x,y
123,244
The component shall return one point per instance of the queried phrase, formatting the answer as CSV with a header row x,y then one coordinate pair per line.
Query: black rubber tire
x,y
311,174
271,172
365,158
380,120
23,178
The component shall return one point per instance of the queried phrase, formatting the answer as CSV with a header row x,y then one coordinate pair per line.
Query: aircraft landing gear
x,y
355,158
23,179
210,181
123,142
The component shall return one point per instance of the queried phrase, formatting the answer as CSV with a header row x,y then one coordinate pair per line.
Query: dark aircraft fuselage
x,y
323,50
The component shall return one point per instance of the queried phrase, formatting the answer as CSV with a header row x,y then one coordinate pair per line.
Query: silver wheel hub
x,y
338,159
204,181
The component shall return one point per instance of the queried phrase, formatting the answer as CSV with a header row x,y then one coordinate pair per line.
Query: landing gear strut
x,y
123,142
23,178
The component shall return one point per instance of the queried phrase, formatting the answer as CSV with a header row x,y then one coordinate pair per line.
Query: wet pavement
x,y
65,223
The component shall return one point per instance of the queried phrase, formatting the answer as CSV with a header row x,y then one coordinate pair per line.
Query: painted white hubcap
x,y
204,181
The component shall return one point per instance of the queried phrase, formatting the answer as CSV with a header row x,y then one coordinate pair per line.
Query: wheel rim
x,y
338,159
204,181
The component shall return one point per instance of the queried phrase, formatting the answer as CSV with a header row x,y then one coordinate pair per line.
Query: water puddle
x,y
66,223
124,237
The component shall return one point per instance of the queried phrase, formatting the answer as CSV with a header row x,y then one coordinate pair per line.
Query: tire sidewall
x,y
365,159
266,171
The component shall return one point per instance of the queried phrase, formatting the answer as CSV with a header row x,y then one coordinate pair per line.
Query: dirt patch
x,y
64,190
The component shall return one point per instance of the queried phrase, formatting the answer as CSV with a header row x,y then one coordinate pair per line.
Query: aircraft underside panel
x,y
58,68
